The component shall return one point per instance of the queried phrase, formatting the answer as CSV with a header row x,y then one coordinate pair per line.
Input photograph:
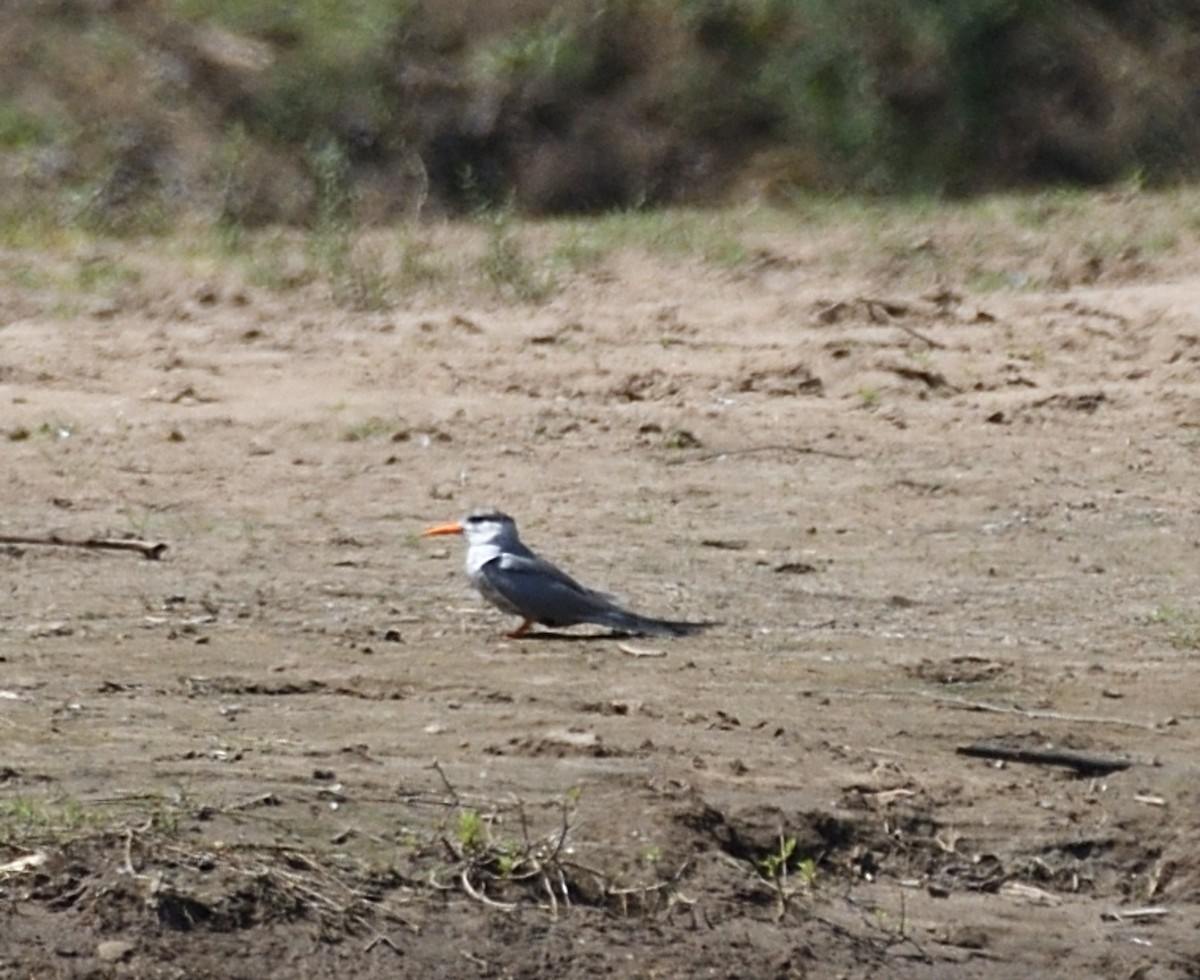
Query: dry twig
x,y
631,651
1136,915
964,704
1081,762
771,448
148,550
482,864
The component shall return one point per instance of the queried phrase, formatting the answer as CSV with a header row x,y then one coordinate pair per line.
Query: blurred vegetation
x,y
123,115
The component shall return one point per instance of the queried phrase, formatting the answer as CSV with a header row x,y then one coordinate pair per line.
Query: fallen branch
x,y
148,550
631,651
962,704
772,448
1082,763
924,338
931,379
378,938
1135,915
1005,709
1039,896
891,311
27,862
889,308
475,893
437,767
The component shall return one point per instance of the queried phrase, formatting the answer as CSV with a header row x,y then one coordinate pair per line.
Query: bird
x,y
516,580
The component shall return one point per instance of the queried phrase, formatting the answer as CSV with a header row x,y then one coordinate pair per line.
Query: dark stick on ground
x,y
775,447
153,551
1082,763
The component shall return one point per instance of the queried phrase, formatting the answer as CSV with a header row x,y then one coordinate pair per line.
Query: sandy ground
x,y
299,745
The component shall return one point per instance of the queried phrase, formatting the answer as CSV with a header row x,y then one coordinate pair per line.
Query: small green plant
x,y
20,127
775,865
364,283
56,428
806,871
676,232
579,247
1165,614
420,263
471,831
505,265
25,821
329,243
274,260
508,859
868,397
546,51
1189,436
494,867
103,274
680,439
885,923
776,870
231,165
369,428
1183,627
992,280
52,428
355,273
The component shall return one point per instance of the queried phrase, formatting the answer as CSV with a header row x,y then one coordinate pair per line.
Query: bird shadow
x,y
543,636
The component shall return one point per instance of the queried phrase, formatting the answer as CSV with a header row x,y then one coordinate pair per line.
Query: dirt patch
x,y
924,523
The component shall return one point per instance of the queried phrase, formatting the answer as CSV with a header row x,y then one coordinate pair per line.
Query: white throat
x,y
479,553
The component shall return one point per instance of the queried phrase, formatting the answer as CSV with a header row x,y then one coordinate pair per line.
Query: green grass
x,y
507,265
713,236
332,31
1182,626
548,49
26,821
374,427
102,274
52,429
1007,243
868,397
21,128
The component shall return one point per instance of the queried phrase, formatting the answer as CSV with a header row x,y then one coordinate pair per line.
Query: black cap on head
x,y
487,514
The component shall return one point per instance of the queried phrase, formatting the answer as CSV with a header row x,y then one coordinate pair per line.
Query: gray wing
x,y
542,592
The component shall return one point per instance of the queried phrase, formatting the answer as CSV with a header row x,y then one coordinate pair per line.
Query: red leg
x,y
520,630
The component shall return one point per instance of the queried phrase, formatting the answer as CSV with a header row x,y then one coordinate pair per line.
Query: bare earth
x,y
924,520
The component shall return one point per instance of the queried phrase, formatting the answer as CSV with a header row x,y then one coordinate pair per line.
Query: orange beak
x,y
454,528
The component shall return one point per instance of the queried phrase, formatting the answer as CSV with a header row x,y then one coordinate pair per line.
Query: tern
x,y
511,577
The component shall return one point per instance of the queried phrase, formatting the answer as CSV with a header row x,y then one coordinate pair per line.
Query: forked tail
x,y
635,625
